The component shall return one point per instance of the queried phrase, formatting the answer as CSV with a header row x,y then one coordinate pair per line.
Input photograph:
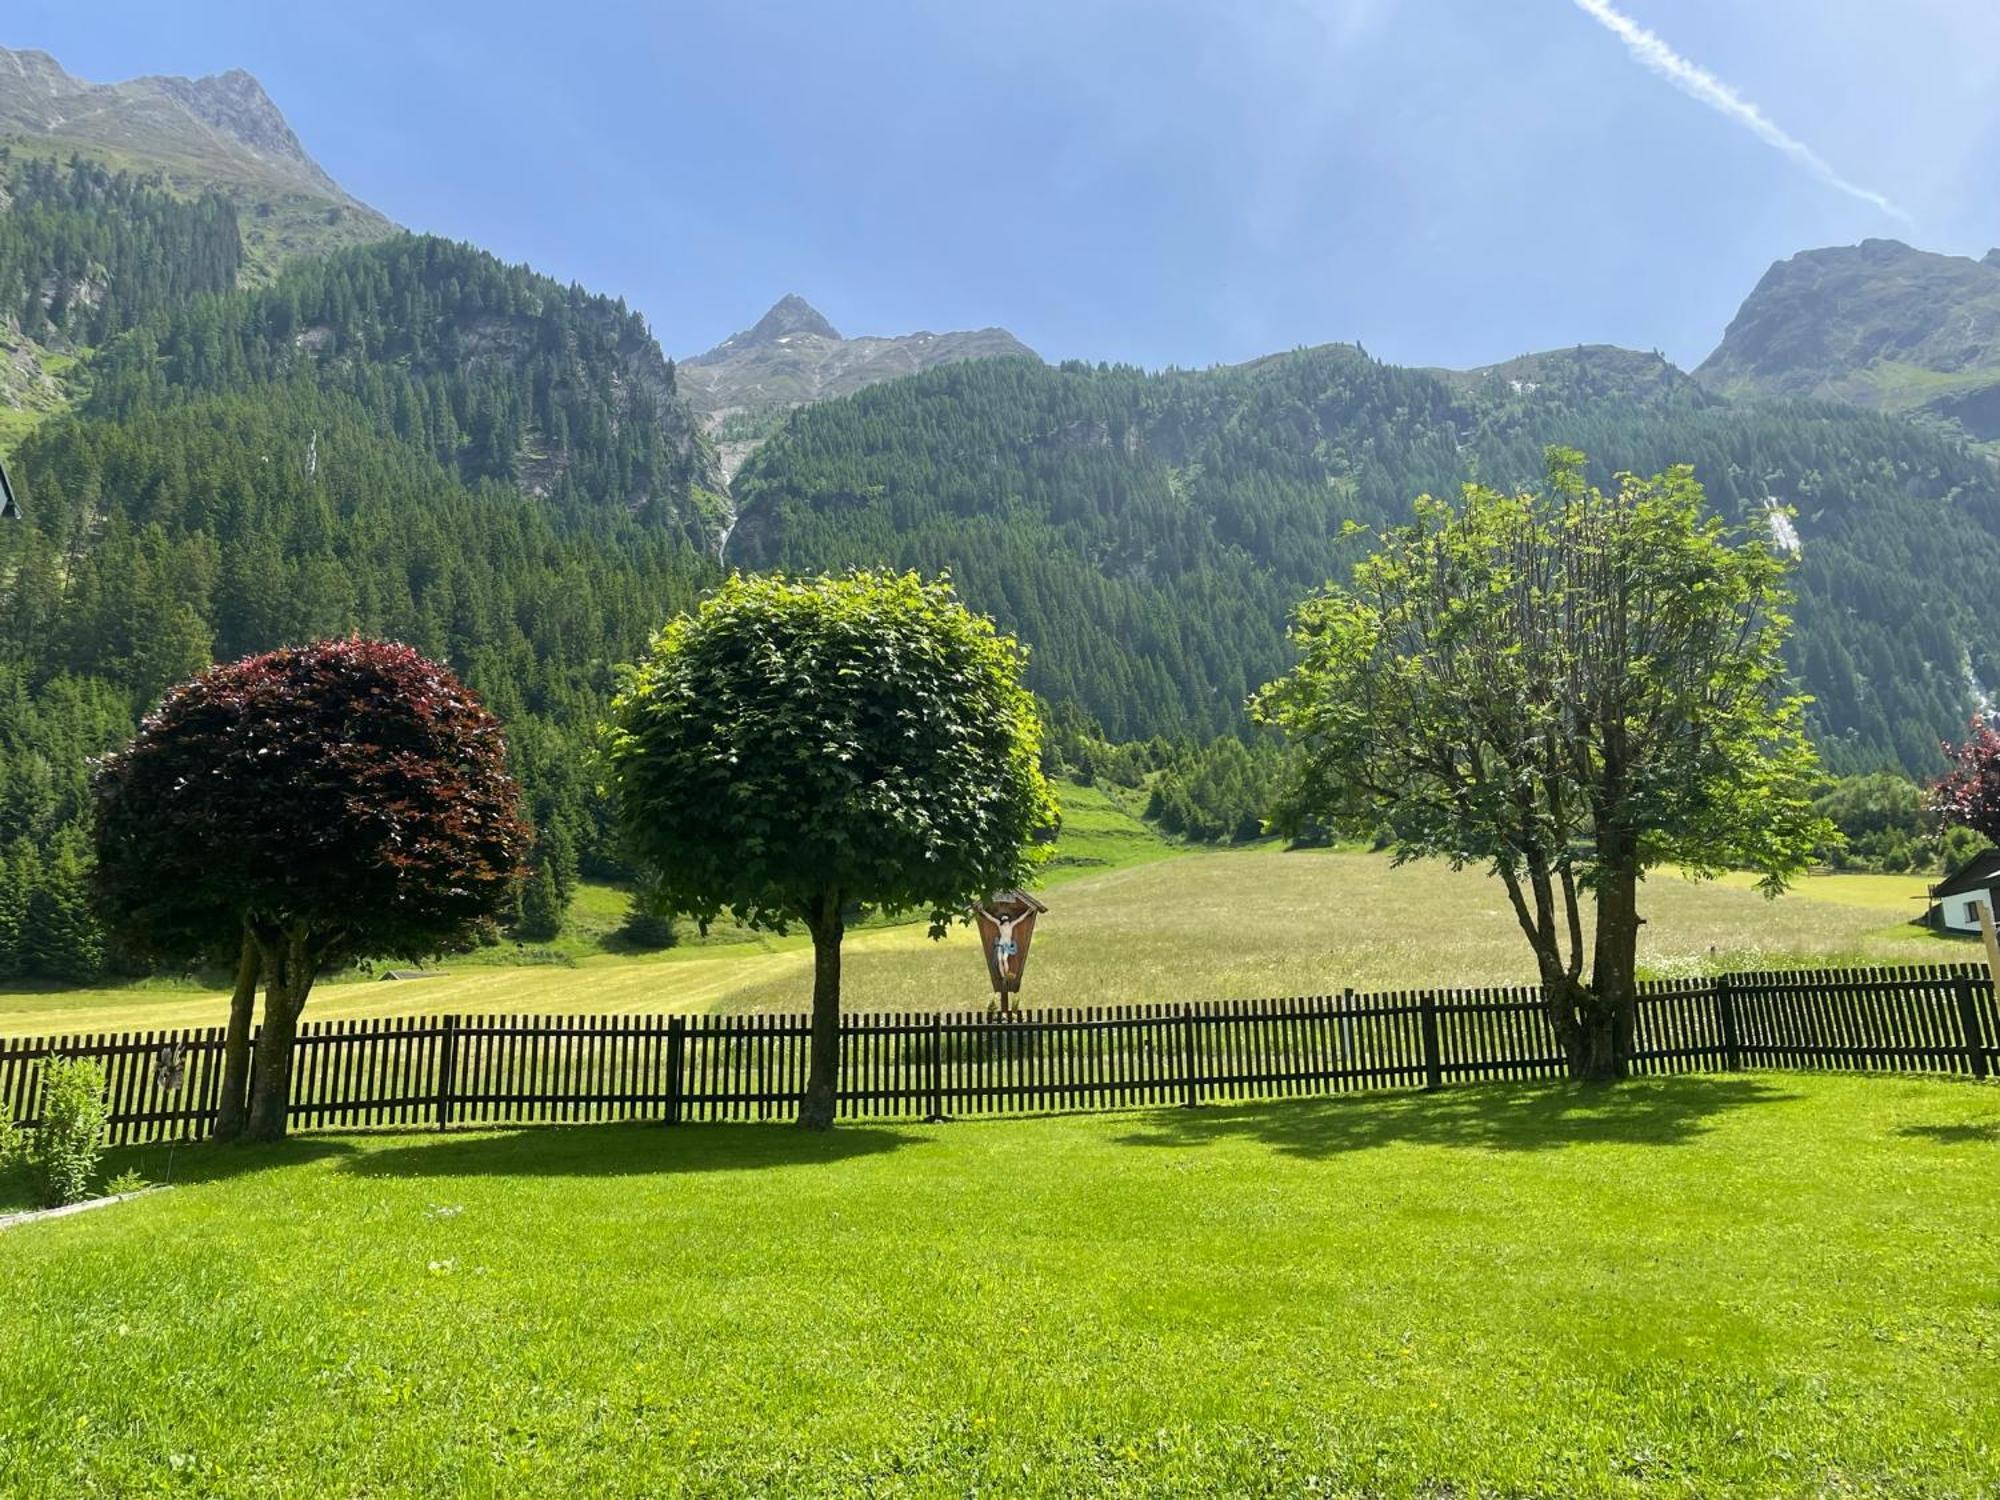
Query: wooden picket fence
x,y
515,1070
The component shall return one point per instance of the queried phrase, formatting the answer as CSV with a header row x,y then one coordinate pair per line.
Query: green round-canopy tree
x,y
799,746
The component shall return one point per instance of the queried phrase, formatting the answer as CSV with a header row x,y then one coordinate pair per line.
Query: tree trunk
x,y
816,1109
1614,968
289,969
231,1112
1595,1045
1593,1048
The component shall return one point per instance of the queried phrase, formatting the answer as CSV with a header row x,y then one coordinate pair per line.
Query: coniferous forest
x,y
411,439
85,252
1150,532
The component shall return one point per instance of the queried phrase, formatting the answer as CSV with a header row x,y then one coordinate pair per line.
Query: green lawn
x,y
1763,1284
1146,921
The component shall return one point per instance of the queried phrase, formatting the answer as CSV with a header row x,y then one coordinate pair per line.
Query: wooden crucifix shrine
x,y
1006,926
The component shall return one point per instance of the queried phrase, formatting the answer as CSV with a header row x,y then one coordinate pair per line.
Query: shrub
x,y
1961,847
542,913
63,1151
649,923
648,928
10,1138
1881,823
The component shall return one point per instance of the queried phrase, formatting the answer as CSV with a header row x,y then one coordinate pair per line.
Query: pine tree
x,y
19,866
542,907
61,937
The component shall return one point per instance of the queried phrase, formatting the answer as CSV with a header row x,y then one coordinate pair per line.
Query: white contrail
x,y
1696,81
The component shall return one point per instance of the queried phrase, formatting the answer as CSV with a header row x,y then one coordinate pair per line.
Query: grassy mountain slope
x,y
221,134
1877,324
1149,924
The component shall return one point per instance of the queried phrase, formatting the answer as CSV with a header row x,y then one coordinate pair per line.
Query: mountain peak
x,y
235,105
790,314
1878,324
222,126
793,357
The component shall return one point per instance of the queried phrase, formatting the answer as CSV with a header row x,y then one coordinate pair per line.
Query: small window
x,y
1972,912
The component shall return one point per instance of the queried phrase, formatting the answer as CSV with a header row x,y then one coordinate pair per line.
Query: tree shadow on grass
x,y
1954,1135
613,1150
188,1162
1491,1117
625,1151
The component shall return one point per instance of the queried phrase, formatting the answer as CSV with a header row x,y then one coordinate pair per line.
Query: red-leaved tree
x,y
1969,793
336,801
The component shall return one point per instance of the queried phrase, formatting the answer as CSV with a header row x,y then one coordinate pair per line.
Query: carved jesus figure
x,y
1004,948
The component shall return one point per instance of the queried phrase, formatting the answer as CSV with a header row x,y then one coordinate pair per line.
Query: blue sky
x,y
1173,181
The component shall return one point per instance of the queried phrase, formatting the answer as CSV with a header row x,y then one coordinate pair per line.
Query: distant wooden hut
x,y
10,508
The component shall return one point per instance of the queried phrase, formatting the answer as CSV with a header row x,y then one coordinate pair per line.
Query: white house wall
x,y
1959,911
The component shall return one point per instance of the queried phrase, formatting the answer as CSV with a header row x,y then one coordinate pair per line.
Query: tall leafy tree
x,y
57,936
1569,686
335,801
798,747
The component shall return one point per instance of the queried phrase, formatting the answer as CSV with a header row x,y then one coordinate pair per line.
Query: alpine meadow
x,y
1184,875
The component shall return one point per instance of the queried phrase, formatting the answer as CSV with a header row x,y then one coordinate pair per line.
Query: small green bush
x,y
63,1151
10,1138
127,1181
648,929
648,922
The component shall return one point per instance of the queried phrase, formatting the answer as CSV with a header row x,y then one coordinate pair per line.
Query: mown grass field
x,y
1148,923
1254,923
591,968
1751,1285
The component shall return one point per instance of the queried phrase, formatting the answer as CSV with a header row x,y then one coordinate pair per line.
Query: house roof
x,y
10,508
1981,873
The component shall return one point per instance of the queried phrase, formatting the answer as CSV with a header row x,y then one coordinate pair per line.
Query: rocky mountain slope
x,y
157,154
86,254
793,356
1879,325
221,133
